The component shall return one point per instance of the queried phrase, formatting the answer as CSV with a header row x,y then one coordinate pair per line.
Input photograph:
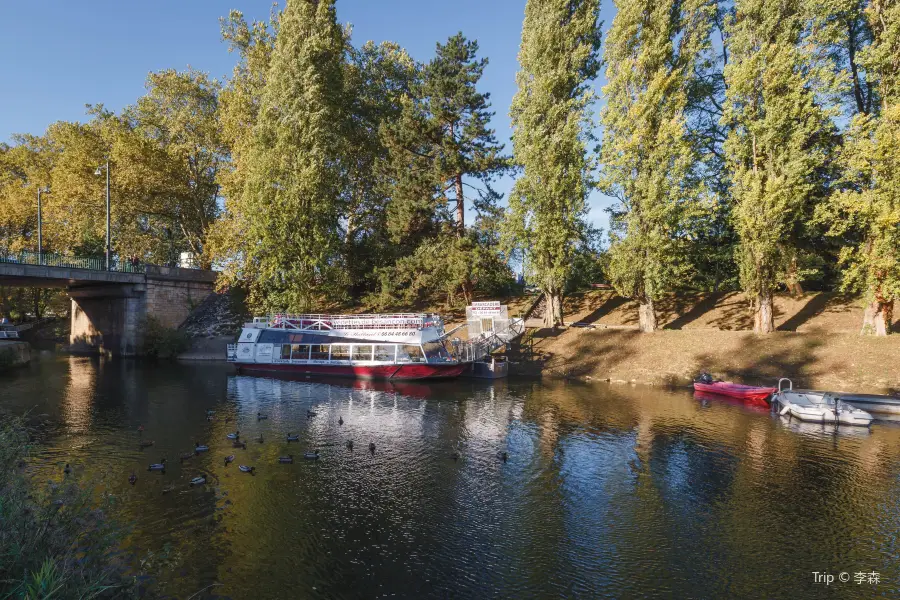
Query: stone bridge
x,y
108,307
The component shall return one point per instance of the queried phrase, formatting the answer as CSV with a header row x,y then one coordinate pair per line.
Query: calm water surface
x,y
608,492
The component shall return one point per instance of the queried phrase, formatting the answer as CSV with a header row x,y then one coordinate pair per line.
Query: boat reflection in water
x,y
407,388
706,399
823,429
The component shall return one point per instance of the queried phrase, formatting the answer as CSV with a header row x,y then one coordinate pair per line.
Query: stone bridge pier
x,y
108,316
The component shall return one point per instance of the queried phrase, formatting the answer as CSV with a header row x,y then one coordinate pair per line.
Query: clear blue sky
x,y
60,55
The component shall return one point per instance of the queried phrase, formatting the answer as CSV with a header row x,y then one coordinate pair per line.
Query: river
x,y
608,491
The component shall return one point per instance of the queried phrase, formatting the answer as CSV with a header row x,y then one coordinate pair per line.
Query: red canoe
x,y
735,390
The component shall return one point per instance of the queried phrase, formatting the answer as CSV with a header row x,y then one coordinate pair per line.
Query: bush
x,y
161,341
53,542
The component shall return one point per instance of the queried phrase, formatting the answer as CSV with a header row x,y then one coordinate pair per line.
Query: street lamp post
x,y
97,172
41,190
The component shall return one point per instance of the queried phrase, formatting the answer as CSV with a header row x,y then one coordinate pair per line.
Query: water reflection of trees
x,y
717,481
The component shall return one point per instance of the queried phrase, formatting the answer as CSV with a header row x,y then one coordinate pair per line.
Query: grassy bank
x,y
817,342
841,361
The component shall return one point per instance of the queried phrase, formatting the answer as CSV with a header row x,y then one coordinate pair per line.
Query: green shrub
x,y
161,341
54,541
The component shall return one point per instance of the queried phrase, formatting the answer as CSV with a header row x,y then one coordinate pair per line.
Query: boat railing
x,y
482,346
231,352
9,334
790,384
361,321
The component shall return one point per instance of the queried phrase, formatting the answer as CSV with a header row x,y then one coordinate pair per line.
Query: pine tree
x,y
869,206
778,140
292,192
440,144
559,57
652,51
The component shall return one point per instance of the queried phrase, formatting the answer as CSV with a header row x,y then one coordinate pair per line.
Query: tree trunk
x,y
647,315
36,298
878,317
764,317
460,207
793,285
553,309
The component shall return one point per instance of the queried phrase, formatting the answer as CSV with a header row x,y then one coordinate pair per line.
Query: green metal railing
x,y
92,263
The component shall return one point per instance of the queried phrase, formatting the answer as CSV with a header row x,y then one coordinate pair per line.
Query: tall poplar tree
x,y
778,139
869,207
293,182
551,119
652,51
239,105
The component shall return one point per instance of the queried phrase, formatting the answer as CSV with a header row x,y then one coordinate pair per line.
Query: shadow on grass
x,y
609,347
813,308
770,358
605,309
705,305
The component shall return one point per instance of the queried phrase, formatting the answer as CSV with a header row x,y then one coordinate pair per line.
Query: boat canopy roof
x,y
319,322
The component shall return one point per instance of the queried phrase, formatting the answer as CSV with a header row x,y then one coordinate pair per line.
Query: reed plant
x,y
55,538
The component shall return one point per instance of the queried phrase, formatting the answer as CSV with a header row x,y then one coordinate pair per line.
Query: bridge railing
x,y
49,259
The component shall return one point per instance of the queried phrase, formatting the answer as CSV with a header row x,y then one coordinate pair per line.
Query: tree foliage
x,y
778,143
867,209
291,199
552,125
439,145
648,158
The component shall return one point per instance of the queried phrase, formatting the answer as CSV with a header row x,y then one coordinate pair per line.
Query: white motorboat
x,y
819,407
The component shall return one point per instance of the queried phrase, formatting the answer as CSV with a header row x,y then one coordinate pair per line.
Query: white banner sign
x,y
486,308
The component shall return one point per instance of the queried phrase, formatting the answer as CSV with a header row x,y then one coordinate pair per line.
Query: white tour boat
x,y
390,346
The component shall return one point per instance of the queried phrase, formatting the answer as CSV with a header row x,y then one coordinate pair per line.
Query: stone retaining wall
x,y
14,354
170,302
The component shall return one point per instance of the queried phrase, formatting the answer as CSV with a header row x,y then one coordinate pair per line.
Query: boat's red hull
x,y
393,372
735,390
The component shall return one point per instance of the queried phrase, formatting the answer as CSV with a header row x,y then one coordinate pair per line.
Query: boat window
x,y
319,352
340,352
409,353
384,353
436,352
300,352
273,337
362,352
286,352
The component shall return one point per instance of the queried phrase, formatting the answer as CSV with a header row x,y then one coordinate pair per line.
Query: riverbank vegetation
x,y
54,541
746,145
